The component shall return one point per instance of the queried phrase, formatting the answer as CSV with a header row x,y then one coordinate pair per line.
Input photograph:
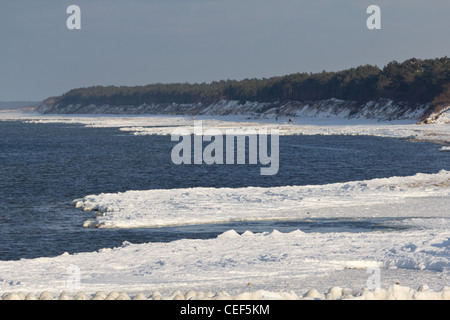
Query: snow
x,y
159,208
166,125
409,261
269,264
442,117
257,264
382,108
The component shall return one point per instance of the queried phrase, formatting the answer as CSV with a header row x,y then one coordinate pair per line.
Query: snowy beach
x,y
438,132
410,260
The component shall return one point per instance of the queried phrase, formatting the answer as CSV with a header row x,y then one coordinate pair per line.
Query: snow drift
x,y
246,262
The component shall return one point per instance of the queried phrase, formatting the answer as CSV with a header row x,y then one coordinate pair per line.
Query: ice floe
x,y
371,198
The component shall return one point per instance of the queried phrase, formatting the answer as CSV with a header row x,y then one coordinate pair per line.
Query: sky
x,y
139,42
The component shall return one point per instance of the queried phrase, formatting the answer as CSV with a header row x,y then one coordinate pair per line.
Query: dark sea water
x,y
43,167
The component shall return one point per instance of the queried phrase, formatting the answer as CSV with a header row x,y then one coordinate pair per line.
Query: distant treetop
x,y
414,81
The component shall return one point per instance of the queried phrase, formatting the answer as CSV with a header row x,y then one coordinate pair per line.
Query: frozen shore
x,y
415,253
245,265
377,198
438,132
273,265
394,292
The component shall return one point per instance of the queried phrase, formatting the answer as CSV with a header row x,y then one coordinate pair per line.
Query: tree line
x,y
412,81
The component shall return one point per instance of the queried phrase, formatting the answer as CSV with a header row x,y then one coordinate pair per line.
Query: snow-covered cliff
x,y
382,109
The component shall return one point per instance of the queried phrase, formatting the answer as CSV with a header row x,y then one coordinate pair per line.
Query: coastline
x,y
165,124
417,260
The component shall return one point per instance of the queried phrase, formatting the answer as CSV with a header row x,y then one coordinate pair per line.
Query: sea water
x,y
43,167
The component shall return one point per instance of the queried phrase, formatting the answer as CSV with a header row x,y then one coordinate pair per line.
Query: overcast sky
x,y
138,42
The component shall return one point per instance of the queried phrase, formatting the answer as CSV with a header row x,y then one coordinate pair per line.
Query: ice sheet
x,y
265,265
371,198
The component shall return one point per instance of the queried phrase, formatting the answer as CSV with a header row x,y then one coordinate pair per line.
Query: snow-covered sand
x,y
165,125
274,265
282,265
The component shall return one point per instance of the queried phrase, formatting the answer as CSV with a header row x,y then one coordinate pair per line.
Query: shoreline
x,y
166,124
266,266
393,292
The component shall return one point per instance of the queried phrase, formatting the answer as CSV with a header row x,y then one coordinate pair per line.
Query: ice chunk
x,y
230,234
